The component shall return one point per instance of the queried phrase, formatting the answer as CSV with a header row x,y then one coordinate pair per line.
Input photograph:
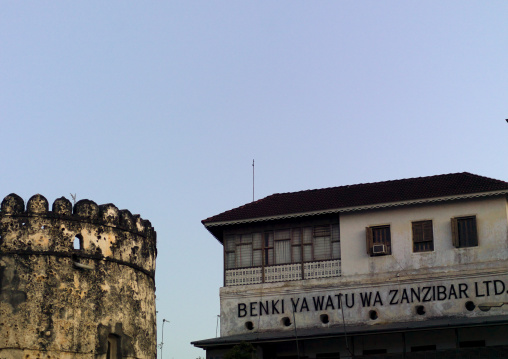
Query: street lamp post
x,y
162,340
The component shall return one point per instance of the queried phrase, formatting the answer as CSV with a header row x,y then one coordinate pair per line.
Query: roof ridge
x,y
360,194
489,178
379,182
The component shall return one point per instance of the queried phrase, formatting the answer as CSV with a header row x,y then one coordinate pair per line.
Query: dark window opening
x,y
113,347
472,344
379,241
464,232
423,238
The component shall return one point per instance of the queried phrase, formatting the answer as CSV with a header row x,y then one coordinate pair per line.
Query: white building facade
x,y
396,269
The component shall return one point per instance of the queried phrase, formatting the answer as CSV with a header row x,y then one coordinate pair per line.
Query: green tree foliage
x,y
241,351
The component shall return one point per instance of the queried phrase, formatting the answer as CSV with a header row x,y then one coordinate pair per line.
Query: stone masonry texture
x,y
74,277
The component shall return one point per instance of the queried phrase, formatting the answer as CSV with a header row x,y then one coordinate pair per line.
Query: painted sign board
x,y
408,300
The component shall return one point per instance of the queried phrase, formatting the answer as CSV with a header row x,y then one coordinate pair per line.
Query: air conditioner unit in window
x,y
378,249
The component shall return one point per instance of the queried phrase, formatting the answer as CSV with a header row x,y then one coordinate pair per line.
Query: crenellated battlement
x,y
84,210
100,232
76,281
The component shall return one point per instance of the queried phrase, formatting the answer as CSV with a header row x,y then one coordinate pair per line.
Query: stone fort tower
x,y
75,282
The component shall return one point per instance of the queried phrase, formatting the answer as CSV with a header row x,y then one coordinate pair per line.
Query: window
x,y
378,240
472,344
464,233
307,244
296,245
423,239
257,244
78,242
229,252
282,246
242,250
321,243
268,249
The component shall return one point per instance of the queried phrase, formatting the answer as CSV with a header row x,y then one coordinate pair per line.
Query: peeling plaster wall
x,y
492,226
61,302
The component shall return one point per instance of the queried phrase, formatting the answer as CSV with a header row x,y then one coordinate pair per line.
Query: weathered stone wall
x,y
60,302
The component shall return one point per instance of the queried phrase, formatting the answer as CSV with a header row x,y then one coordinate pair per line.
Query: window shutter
x,y
455,233
474,231
297,254
244,257
307,235
268,248
417,232
296,245
322,231
297,237
321,243
322,248
283,252
422,231
335,241
307,253
307,244
427,231
230,260
368,232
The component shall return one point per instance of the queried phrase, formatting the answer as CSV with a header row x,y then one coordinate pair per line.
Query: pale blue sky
x,y
160,107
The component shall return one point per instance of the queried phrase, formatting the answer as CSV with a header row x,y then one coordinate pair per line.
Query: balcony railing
x,y
283,273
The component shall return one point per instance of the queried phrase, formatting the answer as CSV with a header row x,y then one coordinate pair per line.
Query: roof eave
x,y
356,330
210,225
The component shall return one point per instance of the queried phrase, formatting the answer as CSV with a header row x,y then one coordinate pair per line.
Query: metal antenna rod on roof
x,y
252,180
